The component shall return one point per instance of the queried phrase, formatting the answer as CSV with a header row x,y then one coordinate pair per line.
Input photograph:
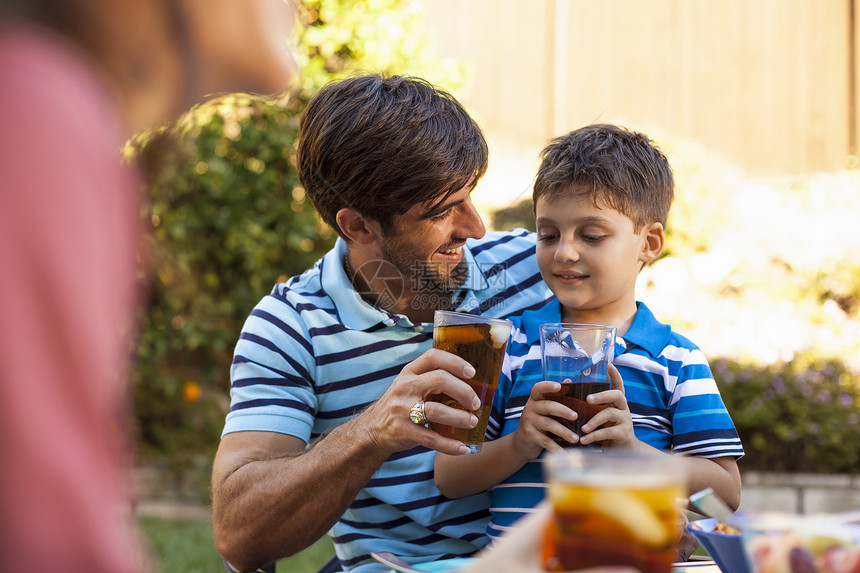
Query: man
x,y
331,365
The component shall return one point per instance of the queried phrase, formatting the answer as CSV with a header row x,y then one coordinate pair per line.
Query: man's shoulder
x,y
308,282
506,263
302,293
502,245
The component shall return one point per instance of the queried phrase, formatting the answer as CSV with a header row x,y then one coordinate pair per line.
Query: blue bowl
x,y
725,549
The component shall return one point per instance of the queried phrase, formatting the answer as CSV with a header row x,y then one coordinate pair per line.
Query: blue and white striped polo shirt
x,y
313,353
672,395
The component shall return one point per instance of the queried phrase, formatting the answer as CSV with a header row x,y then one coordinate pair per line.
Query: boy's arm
x,y
720,474
459,476
698,413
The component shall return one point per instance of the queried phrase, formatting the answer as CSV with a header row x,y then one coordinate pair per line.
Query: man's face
x,y
426,243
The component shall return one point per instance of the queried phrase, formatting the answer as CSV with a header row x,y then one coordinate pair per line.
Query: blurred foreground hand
x,y
520,550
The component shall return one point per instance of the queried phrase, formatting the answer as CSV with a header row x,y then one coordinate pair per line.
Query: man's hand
x,y
434,372
314,486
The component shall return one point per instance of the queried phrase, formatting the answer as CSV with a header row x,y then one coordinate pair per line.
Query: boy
x,y
602,197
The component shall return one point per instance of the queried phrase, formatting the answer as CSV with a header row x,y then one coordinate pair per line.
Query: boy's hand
x,y
532,435
614,424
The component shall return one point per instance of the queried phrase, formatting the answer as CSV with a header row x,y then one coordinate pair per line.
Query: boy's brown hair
x,y
616,167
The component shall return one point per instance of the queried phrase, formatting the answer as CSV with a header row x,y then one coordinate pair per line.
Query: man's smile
x,y
452,251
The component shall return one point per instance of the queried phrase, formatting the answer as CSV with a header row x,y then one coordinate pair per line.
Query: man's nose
x,y
470,224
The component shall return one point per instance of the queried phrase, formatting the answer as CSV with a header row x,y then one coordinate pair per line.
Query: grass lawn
x,y
185,546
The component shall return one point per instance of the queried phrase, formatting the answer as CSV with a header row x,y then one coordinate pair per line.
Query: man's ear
x,y
653,240
355,226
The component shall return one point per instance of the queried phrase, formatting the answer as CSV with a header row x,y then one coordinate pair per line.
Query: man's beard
x,y
422,275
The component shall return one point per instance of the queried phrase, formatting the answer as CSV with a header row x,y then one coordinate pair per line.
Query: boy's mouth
x,y
569,276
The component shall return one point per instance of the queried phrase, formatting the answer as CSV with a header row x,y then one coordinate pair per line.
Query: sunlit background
x,y
754,103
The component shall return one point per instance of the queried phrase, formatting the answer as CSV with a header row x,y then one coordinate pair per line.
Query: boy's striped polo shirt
x,y
673,398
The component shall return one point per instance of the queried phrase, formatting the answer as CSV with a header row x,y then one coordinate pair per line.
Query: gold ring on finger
x,y
416,413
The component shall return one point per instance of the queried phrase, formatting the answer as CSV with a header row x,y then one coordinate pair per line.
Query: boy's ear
x,y
356,226
652,245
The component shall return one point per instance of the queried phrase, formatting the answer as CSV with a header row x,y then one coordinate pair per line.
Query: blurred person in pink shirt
x,y
77,77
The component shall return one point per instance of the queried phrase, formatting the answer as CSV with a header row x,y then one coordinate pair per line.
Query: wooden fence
x,y
769,84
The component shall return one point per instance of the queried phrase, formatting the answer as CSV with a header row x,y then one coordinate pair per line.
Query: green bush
x,y
793,416
339,37
520,214
227,219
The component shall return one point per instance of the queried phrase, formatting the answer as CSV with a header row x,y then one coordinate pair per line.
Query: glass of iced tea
x,y
577,356
481,342
615,507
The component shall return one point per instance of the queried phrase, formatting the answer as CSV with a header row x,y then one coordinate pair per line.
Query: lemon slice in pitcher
x,y
631,513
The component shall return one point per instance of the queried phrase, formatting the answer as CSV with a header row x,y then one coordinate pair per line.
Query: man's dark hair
x,y
381,145
622,169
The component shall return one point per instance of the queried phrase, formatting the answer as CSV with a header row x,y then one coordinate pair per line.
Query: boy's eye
x,y
547,236
592,238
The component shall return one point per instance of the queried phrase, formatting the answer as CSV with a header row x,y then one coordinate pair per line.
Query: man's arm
x,y
272,498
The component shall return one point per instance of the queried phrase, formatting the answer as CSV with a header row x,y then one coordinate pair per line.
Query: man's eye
x,y
441,216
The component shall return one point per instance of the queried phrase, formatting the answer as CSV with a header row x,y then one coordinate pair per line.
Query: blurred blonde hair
x,y
161,56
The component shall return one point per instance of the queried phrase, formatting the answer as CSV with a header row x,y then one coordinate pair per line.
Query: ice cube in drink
x,y
481,342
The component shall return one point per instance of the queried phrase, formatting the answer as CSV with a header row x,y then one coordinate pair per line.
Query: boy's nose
x,y
566,252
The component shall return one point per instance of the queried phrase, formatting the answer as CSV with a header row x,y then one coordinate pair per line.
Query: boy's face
x,y
590,256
